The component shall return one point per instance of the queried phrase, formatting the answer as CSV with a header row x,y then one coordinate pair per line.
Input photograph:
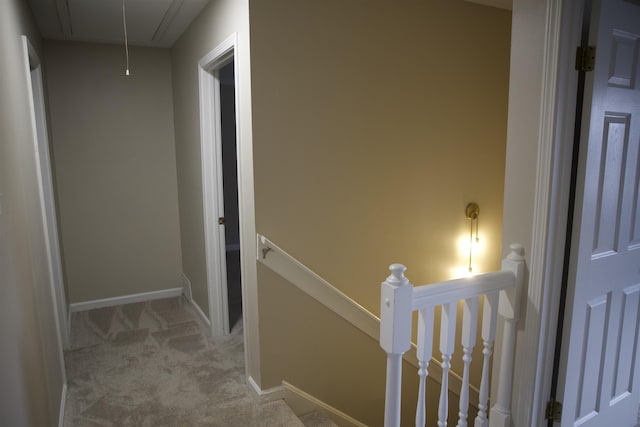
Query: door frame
x,y
549,30
558,103
212,179
45,189
554,243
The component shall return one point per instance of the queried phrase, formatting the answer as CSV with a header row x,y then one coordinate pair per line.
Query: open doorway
x,y
230,192
218,130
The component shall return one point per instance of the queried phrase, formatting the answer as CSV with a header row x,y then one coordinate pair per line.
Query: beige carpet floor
x,y
153,364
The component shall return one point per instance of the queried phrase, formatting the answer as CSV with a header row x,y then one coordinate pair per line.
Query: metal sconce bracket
x,y
472,212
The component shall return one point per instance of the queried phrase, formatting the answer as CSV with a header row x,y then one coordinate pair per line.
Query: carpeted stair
x,y
317,419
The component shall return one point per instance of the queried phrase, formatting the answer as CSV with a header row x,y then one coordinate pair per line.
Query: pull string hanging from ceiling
x,y
126,41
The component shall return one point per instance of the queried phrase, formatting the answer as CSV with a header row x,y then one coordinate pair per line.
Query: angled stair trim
x,y
303,403
289,268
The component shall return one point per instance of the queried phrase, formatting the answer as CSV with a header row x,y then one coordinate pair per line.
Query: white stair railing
x,y
501,292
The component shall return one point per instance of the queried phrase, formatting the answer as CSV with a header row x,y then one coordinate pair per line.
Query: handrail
x,y
295,272
284,264
457,289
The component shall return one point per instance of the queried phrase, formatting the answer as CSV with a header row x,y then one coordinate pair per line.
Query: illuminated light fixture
x,y
472,212
126,41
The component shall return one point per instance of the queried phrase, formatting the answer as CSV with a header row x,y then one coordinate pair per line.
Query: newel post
x,y
509,309
395,336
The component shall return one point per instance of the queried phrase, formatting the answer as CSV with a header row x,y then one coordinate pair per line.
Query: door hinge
x,y
221,220
585,58
553,411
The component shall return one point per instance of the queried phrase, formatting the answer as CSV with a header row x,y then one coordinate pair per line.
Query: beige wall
x,y
372,137
31,367
219,20
374,125
113,149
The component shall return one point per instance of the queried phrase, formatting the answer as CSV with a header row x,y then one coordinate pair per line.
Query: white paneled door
x,y
599,375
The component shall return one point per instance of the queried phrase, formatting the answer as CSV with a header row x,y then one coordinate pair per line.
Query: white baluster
x,y
469,327
425,344
509,307
489,317
501,412
395,336
447,338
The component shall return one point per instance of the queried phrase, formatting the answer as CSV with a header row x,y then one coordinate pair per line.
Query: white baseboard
x,y
125,299
203,316
186,291
302,403
269,395
63,404
186,287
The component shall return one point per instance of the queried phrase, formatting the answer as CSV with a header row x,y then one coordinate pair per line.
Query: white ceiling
x,y
156,23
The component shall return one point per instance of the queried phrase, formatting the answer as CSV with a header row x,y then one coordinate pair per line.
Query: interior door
x,y
599,380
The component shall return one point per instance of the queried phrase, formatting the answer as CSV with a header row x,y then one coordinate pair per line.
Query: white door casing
x,y
45,189
598,382
212,181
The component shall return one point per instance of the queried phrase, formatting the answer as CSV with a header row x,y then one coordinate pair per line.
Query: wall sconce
x,y
472,212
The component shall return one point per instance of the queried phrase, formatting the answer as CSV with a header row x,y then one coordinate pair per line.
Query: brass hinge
x,y
553,411
585,58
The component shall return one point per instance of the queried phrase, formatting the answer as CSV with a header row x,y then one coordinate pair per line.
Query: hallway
x,y
152,364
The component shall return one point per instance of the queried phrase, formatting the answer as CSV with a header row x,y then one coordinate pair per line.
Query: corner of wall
x,y
268,395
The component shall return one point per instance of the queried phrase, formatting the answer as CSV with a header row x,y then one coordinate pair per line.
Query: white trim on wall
x,y
38,118
528,346
246,191
198,310
302,403
186,287
63,405
35,91
212,192
536,343
126,299
263,396
557,126
186,291
246,201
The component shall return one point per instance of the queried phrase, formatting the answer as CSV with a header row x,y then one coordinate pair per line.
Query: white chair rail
x,y
502,293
